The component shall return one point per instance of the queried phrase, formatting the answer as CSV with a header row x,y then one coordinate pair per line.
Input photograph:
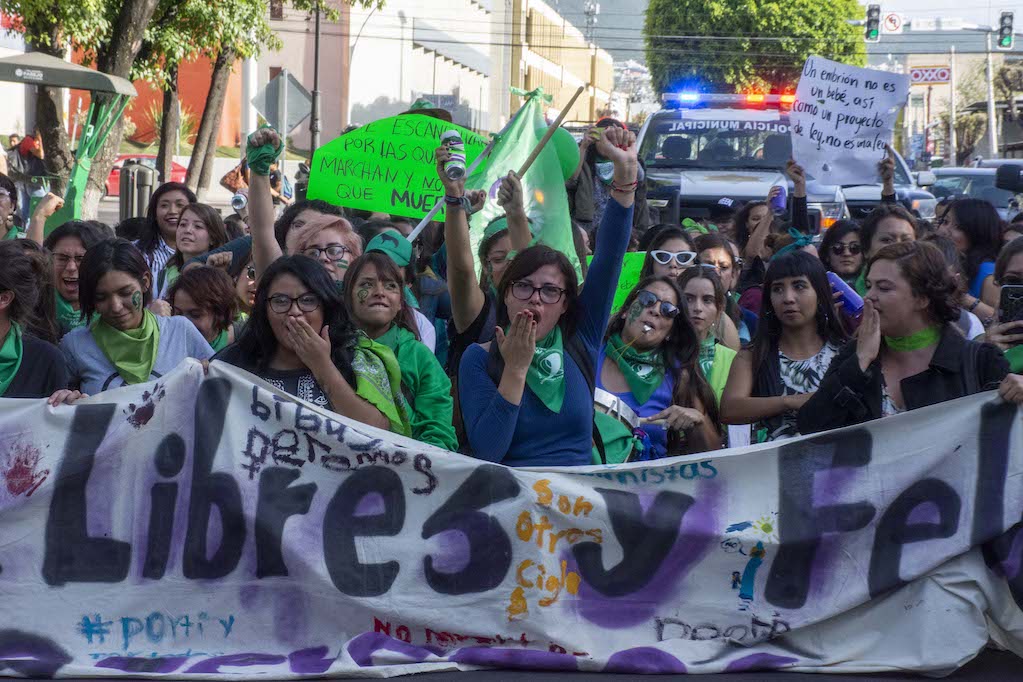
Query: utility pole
x,y
992,121
314,119
591,10
953,155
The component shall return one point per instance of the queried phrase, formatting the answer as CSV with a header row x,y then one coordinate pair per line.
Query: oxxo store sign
x,y
929,75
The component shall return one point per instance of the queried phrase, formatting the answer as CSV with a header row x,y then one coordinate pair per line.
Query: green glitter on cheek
x,y
136,300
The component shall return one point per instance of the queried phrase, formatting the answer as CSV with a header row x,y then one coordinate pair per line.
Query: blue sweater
x,y
529,434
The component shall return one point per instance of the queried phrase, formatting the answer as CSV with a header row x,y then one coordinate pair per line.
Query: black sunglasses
x,y
648,299
839,249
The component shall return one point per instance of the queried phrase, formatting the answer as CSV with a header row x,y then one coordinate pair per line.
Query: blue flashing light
x,y
689,97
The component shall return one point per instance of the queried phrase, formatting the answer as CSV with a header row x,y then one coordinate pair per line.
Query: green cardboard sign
x,y
632,265
387,166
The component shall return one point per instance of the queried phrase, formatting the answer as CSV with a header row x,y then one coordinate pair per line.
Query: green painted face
x,y
136,300
362,293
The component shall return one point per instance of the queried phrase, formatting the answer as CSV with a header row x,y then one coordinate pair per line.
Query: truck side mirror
x,y
926,178
1009,177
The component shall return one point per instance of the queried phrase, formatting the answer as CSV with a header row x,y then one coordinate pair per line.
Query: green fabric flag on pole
x,y
543,187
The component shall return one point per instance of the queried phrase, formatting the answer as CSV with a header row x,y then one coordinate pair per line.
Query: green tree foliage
x,y
739,45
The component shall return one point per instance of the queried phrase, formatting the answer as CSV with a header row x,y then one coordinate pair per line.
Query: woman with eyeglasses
x,y
799,334
704,296
199,229
301,340
669,253
67,245
976,229
375,300
126,344
907,353
206,297
841,250
650,360
29,366
312,229
527,398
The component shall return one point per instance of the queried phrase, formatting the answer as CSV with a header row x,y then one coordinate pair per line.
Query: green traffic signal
x,y
1005,41
872,33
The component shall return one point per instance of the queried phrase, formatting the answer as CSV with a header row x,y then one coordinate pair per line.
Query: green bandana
x,y
799,241
261,158
10,357
496,225
220,343
922,339
707,352
546,375
11,233
132,353
393,245
378,381
67,317
643,370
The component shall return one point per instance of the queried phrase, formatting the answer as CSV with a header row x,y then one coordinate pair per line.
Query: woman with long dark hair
x,y
29,366
527,398
301,340
126,344
668,254
373,293
799,334
704,297
158,239
199,229
650,360
841,250
976,229
907,353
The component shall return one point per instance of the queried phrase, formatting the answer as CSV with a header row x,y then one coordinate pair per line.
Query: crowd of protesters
x,y
744,327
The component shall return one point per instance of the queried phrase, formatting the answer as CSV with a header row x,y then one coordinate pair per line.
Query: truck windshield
x,y
717,139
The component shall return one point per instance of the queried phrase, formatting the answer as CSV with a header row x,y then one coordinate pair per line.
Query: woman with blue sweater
x,y
526,399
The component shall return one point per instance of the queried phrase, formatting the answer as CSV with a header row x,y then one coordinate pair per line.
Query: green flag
x,y
543,187
387,166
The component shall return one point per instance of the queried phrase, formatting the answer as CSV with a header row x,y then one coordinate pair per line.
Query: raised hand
x,y
798,177
619,145
868,337
509,194
264,136
519,345
453,188
311,348
886,169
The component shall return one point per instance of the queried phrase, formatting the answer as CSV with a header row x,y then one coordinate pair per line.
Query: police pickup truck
x,y
702,147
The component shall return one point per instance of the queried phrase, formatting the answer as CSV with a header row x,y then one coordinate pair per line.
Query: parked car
x,y
114,179
978,183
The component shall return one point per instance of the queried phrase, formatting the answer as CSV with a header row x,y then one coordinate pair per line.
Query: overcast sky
x,y
972,12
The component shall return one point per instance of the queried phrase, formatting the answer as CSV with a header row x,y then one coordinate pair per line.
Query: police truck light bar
x,y
691,99
872,33
1005,35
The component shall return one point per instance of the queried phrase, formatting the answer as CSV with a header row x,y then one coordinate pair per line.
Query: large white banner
x,y
842,119
212,526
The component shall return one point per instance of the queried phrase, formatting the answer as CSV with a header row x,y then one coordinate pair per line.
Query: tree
x,y
971,88
1008,85
740,45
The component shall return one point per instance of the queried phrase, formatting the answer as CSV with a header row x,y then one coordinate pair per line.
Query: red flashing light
x,y
788,99
754,99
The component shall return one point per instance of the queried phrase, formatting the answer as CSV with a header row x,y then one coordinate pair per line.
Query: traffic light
x,y
1005,31
872,33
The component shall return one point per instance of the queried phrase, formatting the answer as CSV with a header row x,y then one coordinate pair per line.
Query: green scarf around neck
x,y
220,342
546,374
132,353
643,370
922,339
67,317
10,357
395,336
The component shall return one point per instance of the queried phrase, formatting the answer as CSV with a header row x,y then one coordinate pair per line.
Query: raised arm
x,y
49,205
263,147
509,197
619,146
800,214
466,297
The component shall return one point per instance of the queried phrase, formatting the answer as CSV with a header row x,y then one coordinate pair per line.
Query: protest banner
x,y
214,526
632,265
387,166
842,119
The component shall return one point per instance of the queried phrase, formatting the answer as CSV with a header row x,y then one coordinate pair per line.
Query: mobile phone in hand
x,y
1010,306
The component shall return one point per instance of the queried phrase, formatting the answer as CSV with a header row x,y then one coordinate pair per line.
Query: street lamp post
x,y
314,119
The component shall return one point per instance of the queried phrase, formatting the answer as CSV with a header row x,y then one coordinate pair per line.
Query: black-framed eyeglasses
x,y
334,252
683,258
281,303
549,293
648,299
61,260
854,249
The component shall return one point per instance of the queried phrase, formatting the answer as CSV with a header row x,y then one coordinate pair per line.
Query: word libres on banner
x,y
211,525
387,166
842,119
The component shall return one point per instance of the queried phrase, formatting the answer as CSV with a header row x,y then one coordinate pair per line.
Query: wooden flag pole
x,y
550,132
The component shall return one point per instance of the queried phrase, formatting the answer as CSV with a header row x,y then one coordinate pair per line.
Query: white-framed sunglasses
x,y
683,258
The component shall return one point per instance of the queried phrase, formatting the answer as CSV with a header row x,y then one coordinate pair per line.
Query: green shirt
x,y
427,388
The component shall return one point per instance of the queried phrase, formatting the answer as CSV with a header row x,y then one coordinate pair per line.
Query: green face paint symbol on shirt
x,y
136,300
